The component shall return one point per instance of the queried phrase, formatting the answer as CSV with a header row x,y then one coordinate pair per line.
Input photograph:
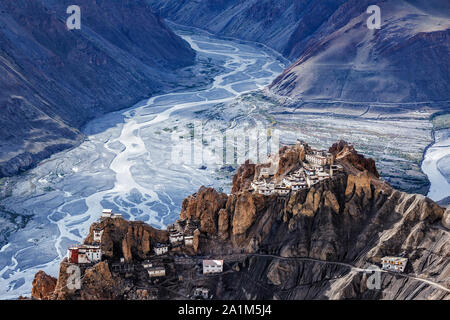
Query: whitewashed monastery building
x,y
397,264
212,266
84,254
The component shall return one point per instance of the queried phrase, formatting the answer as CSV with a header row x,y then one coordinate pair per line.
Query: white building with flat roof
x,y
316,159
298,185
212,266
83,254
98,235
175,237
161,249
201,292
282,191
289,181
397,264
156,272
107,213
265,191
189,240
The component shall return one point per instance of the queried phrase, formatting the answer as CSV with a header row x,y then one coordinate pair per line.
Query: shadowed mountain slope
x,y
53,80
403,64
340,63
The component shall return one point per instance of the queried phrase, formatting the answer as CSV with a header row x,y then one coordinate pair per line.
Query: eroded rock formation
x,y
204,206
345,150
127,239
43,285
307,245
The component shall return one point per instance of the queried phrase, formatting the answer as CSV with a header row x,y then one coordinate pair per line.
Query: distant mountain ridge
x,y
340,63
53,80
284,25
406,61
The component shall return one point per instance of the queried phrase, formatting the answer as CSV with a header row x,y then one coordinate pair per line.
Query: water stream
x,y
123,166
434,158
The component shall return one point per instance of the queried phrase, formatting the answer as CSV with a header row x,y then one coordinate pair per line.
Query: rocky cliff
x,y
316,243
53,79
343,150
129,240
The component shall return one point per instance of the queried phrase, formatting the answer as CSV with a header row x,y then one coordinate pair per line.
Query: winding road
x,y
357,269
228,259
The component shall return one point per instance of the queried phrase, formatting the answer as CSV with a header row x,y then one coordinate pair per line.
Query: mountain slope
x,y
282,25
400,65
53,80
339,61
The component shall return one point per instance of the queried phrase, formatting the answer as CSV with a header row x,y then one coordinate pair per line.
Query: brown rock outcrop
x,y
43,285
345,151
289,158
446,219
223,224
128,239
359,185
96,283
196,240
244,214
204,206
331,201
66,285
99,283
244,175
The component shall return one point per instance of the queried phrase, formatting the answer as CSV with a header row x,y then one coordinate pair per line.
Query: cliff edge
x,y
319,242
